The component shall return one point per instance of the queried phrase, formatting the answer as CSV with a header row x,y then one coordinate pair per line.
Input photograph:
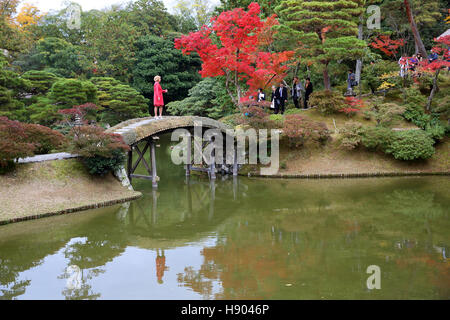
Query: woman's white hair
x,y
156,78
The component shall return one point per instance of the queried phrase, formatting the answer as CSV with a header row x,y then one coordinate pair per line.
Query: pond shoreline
x,y
345,175
48,188
71,210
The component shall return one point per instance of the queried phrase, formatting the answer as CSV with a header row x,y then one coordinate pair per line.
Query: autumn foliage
x,y
232,47
44,138
387,45
13,142
79,112
18,140
353,106
91,141
299,130
101,152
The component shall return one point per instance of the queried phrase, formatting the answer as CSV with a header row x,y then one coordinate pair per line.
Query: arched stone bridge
x,y
135,131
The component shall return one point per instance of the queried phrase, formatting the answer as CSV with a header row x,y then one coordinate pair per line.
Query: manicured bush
x,y
100,165
436,130
299,130
102,152
41,81
44,138
387,114
13,142
327,101
351,135
411,145
415,108
376,138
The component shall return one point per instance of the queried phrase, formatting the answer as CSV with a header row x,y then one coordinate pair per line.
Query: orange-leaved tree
x,y
235,46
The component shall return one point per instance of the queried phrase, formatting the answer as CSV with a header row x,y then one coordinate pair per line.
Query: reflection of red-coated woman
x,y
158,100
160,265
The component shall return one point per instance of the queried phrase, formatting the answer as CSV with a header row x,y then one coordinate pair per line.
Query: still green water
x,y
239,239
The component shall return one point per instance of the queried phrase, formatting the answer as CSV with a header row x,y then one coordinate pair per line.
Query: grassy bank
x,y
331,160
41,189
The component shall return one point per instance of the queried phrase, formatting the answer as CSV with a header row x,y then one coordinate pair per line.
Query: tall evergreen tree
x,y
157,56
322,31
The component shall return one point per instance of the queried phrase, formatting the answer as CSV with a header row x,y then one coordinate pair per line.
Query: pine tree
x,y
118,102
41,81
322,31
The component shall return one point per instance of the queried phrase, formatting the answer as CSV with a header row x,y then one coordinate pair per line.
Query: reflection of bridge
x,y
200,199
146,130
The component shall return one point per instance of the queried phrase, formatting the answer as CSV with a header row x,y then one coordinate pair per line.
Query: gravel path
x,y
47,157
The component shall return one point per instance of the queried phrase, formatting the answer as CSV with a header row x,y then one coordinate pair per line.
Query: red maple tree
x,y
387,45
442,49
233,47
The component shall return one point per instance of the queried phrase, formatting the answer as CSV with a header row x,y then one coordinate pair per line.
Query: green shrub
x,y
411,145
435,130
351,135
277,118
373,72
367,115
387,114
327,101
41,81
425,84
376,138
415,108
101,152
99,165
231,120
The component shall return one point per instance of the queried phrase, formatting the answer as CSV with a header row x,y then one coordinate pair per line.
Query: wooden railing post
x,y
153,156
130,163
212,166
189,155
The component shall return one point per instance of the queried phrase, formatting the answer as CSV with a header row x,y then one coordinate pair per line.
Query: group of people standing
x,y
299,93
410,64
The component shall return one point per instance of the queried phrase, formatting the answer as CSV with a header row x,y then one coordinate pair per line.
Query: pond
x,y
243,238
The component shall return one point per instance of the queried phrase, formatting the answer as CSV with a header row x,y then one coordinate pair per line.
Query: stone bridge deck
x,y
135,130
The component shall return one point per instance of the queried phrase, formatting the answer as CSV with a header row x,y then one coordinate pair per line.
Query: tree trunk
x,y
326,78
415,31
359,61
433,91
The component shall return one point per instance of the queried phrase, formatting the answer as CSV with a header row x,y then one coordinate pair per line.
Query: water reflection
x,y
240,239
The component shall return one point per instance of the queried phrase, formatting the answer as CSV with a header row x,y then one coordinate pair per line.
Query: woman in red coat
x,y
158,100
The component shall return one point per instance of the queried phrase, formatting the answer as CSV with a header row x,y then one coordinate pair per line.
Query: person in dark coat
x,y
308,91
281,95
296,91
274,99
261,95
